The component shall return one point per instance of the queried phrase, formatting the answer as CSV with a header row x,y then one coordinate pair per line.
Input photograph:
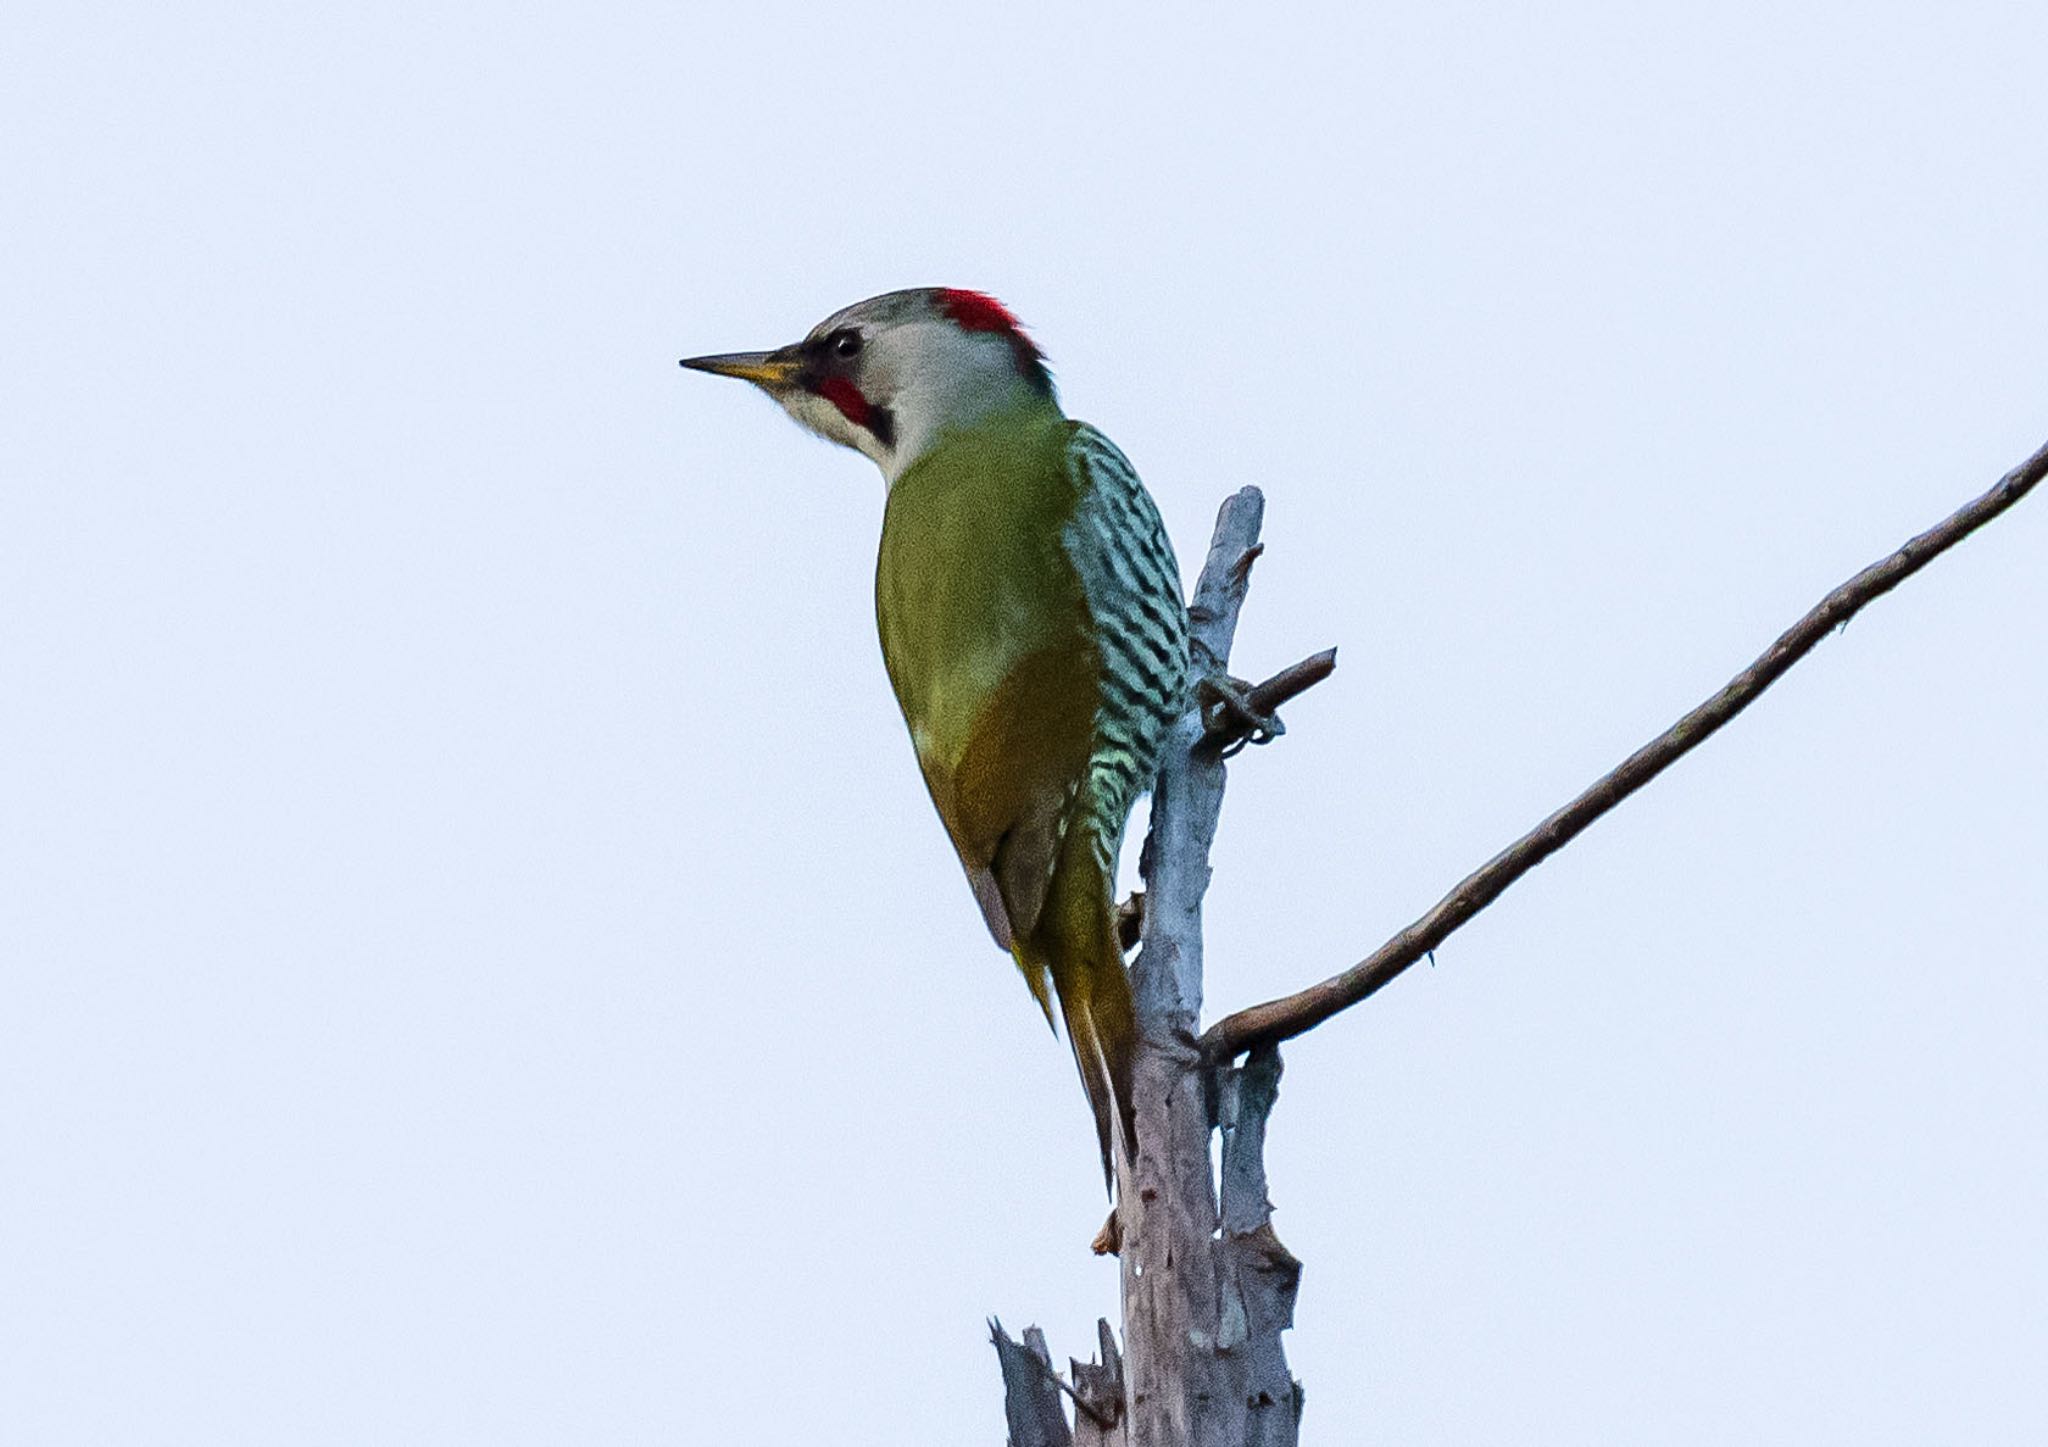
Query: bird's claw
x,y
1130,920
1228,713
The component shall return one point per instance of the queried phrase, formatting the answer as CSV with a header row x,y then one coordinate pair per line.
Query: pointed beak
x,y
773,370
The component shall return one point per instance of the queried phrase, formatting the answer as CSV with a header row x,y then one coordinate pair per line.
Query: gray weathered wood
x,y
1031,1392
1259,1276
1031,1397
1099,1420
1201,1324
1207,1292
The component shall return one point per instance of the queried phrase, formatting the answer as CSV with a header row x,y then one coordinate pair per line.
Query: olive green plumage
x,y
1032,625
1031,619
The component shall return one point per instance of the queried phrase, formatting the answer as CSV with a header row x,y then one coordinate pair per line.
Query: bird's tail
x,y
1076,946
1103,1030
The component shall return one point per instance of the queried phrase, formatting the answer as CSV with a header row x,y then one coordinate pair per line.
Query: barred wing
x,y
1133,587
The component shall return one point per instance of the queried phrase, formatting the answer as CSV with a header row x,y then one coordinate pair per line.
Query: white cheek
x,y
814,413
817,415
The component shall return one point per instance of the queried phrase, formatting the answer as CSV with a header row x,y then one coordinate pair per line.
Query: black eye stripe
x,y
844,343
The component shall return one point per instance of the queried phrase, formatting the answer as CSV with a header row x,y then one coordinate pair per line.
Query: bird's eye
x,y
845,343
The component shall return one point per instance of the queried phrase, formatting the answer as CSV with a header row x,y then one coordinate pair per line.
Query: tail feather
x,y
1075,955
1071,951
1102,1029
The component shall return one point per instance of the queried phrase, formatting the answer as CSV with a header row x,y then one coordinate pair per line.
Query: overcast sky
x,y
477,964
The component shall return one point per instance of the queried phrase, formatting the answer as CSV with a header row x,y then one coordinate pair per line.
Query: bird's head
x,y
889,375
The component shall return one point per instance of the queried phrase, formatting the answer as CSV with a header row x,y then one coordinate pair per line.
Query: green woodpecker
x,y
1032,624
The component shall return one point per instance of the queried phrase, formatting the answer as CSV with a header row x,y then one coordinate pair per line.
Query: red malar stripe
x,y
848,399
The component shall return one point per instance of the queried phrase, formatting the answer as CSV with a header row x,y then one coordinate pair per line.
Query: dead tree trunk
x,y
1207,1286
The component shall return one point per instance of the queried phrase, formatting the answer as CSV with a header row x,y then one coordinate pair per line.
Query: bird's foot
x,y
1130,920
1228,713
1110,1239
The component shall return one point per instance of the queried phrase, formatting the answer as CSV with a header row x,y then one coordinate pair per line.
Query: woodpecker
x,y
1032,625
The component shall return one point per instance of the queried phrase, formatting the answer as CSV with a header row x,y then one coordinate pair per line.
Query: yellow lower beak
x,y
764,369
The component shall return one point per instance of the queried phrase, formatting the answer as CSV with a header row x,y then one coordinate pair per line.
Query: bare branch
x,y
1292,1014
1293,681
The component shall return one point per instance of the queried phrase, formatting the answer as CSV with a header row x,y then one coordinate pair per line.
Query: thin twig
x,y
1293,681
1290,1015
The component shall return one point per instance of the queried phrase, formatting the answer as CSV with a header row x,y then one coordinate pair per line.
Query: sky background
x,y
477,964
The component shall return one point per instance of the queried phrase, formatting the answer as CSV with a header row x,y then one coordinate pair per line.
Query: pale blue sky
x,y
479,966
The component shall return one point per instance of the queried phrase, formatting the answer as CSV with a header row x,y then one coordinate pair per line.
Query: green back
x,y
973,576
